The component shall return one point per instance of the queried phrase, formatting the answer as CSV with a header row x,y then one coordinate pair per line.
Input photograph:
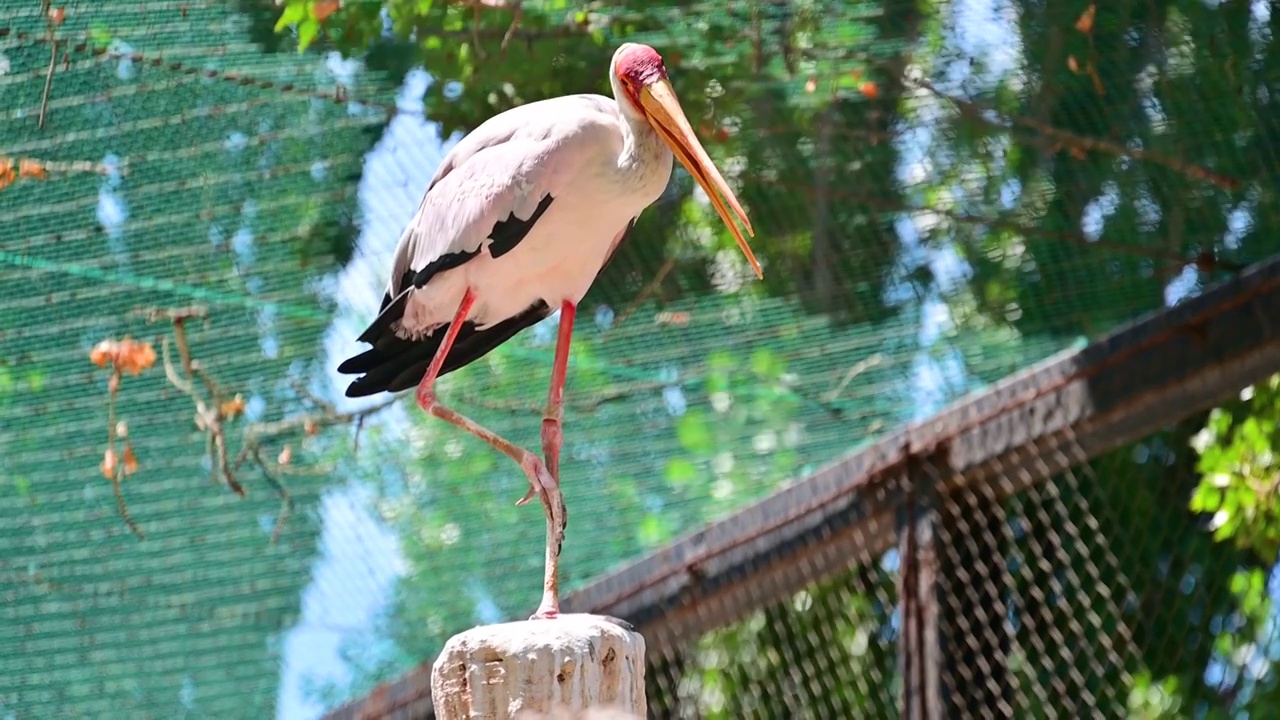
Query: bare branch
x,y
48,82
52,20
209,414
120,356
980,113
286,500
1205,260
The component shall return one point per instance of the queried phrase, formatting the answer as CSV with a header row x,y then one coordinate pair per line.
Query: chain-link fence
x,y
943,194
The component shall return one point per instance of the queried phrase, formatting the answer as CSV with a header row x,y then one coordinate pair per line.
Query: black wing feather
x,y
394,363
507,234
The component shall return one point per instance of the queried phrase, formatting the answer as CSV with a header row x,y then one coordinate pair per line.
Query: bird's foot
x,y
545,613
541,481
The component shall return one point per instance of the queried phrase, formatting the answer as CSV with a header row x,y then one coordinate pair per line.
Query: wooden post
x,y
573,666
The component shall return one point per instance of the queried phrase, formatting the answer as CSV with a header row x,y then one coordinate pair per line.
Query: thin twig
x,y
212,413
48,81
256,433
355,440
46,12
209,416
286,500
118,491
171,373
516,16
854,371
117,470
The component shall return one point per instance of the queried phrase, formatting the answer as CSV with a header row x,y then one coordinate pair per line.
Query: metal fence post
x,y
918,651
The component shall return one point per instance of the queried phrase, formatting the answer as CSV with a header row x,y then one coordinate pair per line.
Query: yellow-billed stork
x,y
520,218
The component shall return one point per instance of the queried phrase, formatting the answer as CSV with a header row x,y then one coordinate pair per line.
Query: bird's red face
x,y
643,79
638,66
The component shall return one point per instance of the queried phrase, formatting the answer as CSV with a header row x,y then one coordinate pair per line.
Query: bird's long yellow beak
x,y
659,101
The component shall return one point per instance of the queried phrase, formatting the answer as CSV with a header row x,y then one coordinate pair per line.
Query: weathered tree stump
x,y
573,666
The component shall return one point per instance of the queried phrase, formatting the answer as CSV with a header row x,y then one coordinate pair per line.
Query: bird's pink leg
x,y
541,480
552,441
552,419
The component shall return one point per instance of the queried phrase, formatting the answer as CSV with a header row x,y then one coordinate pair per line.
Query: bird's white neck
x,y
643,152
642,148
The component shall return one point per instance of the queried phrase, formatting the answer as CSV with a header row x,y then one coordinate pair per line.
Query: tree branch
x,y
214,410
979,113
1205,259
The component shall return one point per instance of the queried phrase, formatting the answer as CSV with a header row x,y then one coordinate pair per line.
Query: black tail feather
x,y
394,364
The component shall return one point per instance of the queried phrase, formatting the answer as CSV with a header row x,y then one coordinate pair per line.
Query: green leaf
x,y
1219,422
294,12
653,530
307,31
35,381
693,433
1206,498
1239,583
765,364
100,35
681,472
720,361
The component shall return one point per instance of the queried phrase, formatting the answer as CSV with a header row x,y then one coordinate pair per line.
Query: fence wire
x,y
1053,602
828,651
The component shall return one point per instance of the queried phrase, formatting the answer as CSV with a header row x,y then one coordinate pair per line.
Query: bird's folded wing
x,y
465,209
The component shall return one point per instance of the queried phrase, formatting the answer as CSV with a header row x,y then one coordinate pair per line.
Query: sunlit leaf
x,y
307,31
681,472
694,433
294,12
654,530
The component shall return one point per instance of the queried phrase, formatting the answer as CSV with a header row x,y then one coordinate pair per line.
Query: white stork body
x,y
520,218
601,173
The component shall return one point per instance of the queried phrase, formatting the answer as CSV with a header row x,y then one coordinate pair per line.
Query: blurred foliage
x,y
1238,463
1238,449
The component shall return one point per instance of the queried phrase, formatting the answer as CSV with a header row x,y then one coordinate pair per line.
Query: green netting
x,y
936,207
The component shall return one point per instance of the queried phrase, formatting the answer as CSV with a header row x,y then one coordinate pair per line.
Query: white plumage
x,y
507,166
